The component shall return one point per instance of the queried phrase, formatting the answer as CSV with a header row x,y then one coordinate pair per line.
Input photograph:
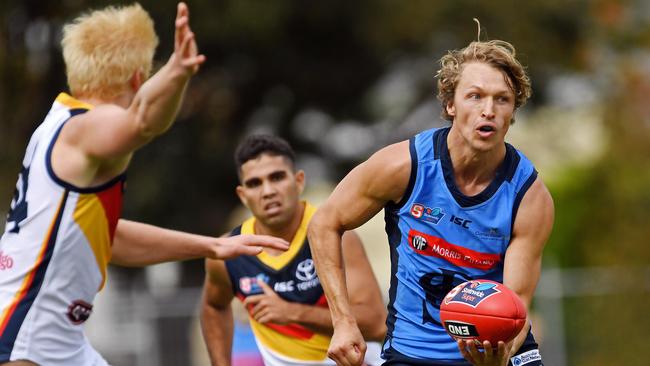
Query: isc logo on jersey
x,y
432,215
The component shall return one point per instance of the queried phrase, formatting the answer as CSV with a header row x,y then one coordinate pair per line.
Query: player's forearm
x,y
157,102
137,244
325,243
371,321
315,318
217,327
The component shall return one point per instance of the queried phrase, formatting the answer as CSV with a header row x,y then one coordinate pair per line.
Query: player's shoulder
x,y
390,160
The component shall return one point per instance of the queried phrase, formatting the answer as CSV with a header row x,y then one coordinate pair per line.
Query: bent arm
x,y
216,313
95,146
523,259
363,290
359,196
365,296
109,132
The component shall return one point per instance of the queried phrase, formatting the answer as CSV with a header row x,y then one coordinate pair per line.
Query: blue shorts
x,y
527,355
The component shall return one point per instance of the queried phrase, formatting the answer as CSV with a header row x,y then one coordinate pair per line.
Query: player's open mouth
x,y
486,130
272,207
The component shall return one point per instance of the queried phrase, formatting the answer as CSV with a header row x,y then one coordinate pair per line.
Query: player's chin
x,y
485,145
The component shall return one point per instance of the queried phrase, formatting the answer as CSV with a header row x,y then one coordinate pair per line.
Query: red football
x,y
483,310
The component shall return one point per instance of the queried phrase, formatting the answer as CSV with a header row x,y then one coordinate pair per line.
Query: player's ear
x,y
136,80
451,108
241,195
300,180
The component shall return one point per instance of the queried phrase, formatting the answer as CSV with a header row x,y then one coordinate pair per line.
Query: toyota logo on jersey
x,y
305,271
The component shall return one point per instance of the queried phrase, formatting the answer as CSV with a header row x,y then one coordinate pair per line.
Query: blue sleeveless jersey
x,y
440,238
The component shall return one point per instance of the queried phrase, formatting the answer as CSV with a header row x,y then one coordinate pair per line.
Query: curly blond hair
x,y
104,48
496,53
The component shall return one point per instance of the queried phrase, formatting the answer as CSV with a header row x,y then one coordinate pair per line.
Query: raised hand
x,y
185,49
237,245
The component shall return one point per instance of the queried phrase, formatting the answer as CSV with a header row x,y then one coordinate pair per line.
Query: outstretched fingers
x,y
182,24
266,241
188,52
184,41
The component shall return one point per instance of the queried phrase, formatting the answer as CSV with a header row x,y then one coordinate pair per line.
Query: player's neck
x,y
286,231
123,100
474,169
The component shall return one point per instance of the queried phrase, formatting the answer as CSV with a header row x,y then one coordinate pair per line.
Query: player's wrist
x,y
344,321
177,71
295,312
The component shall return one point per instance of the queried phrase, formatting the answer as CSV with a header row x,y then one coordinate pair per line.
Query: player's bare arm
x,y
523,260
363,290
357,198
216,313
522,267
137,244
97,145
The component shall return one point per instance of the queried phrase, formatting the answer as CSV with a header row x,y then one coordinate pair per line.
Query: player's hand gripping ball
x,y
483,310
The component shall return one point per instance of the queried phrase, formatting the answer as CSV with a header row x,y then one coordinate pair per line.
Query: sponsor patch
x,y
433,215
6,262
434,246
250,285
472,294
492,233
79,311
526,358
305,271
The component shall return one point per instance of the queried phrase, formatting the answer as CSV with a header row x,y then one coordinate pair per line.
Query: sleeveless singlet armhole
x,y
63,183
396,206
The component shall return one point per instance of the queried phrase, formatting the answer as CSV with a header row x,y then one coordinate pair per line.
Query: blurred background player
x,y
63,226
459,203
281,291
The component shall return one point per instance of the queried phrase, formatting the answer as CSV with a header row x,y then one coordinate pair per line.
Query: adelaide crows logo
x,y
471,293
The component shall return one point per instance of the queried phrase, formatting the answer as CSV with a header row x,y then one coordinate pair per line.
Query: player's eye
x,y
278,176
252,183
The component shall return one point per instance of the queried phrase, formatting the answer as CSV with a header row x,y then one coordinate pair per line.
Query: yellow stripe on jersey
x,y
312,349
89,215
71,102
278,261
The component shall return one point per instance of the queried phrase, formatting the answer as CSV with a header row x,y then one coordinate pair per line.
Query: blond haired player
x,y
63,227
460,203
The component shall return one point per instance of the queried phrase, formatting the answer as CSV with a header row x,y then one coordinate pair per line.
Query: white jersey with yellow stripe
x,y
53,254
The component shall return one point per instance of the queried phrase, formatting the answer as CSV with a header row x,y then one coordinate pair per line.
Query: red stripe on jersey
x,y
291,329
111,200
434,246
